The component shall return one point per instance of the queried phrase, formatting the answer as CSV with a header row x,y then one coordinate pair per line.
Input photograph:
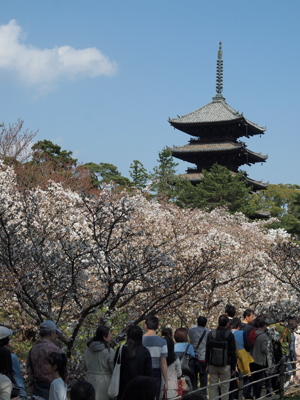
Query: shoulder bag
x,y
113,389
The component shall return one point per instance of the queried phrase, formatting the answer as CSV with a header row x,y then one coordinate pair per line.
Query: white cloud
x,y
44,67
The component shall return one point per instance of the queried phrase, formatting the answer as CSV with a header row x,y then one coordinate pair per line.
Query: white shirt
x,y
58,390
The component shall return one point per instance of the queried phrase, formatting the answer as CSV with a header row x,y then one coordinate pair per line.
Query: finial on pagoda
x,y
219,87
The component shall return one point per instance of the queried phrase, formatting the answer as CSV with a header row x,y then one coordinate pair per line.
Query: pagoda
x,y
215,129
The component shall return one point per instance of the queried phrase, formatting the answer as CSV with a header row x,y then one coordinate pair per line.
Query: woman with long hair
x,y
99,362
17,376
174,371
135,358
56,366
6,372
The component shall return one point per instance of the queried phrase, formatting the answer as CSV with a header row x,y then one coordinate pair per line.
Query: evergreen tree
x,y
105,172
219,187
283,202
163,175
186,194
138,174
45,150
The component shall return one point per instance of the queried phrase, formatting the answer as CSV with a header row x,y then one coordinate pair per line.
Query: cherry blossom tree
x,y
15,145
82,258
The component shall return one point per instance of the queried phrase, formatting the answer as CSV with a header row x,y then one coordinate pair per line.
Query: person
x,y
158,350
141,388
182,347
242,343
246,324
297,349
135,358
272,382
174,372
98,360
224,372
292,325
285,337
198,337
82,390
259,353
6,371
167,332
230,311
56,366
39,379
5,335
181,338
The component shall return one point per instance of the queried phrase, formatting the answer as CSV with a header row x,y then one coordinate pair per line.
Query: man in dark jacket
x,y
226,354
259,353
198,336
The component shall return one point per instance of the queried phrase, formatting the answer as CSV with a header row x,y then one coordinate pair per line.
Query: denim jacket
x,y
17,375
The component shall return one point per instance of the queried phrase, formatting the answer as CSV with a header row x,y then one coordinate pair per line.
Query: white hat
x,y
5,332
49,325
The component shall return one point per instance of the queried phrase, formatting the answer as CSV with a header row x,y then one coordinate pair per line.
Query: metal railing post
x,y
241,385
282,378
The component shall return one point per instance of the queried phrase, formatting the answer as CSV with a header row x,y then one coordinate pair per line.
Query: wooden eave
x,y
201,129
189,151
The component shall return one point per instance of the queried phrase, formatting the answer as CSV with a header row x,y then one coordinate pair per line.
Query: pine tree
x,y
220,187
45,150
138,174
164,175
105,172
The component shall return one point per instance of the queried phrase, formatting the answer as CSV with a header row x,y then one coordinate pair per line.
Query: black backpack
x,y
218,350
277,351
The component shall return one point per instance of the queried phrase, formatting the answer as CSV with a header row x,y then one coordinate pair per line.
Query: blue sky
x,y
101,78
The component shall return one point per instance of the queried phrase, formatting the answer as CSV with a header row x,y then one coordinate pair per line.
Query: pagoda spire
x,y
219,86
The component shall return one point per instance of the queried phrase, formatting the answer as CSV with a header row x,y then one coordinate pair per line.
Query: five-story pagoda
x,y
215,129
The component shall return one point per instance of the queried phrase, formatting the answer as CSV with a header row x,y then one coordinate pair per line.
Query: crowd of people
x,y
158,366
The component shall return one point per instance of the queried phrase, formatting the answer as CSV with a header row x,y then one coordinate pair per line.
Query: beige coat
x,y
99,363
5,387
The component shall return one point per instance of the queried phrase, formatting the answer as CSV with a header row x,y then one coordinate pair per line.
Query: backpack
x,y
253,337
218,350
277,351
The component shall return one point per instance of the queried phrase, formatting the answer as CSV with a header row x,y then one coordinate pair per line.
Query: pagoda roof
x,y
196,177
208,147
257,185
214,113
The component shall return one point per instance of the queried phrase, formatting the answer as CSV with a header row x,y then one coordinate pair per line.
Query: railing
x,y
240,382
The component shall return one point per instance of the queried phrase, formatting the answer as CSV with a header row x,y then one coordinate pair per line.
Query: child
x,y
56,365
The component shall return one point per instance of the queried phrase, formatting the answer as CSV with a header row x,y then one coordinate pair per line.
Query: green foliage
x,y
277,199
105,172
46,150
138,174
283,202
219,187
186,194
164,175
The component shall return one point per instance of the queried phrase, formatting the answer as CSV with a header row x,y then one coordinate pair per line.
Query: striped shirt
x,y
157,348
